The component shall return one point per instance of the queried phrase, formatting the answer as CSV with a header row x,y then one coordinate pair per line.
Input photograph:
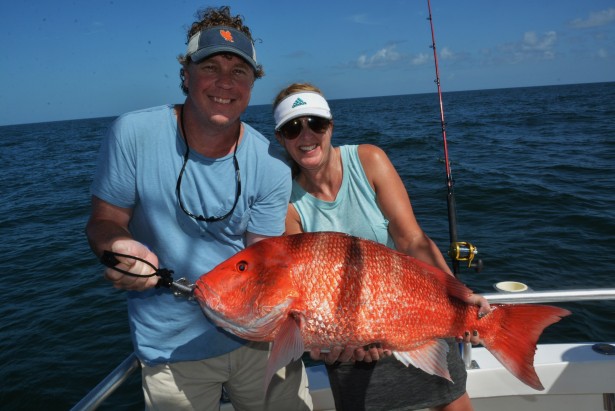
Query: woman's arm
x,y
394,202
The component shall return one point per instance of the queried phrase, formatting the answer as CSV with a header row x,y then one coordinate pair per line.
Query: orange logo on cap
x,y
226,35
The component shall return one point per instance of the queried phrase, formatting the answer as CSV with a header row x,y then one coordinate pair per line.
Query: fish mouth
x,y
248,326
205,294
219,320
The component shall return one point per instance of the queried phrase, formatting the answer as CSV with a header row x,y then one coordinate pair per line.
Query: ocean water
x,y
534,172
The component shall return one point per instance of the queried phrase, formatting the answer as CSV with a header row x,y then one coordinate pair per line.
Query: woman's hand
x,y
481,301
373,352
476,299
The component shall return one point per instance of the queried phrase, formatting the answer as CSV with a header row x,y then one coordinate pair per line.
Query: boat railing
x,y
107,386
556,296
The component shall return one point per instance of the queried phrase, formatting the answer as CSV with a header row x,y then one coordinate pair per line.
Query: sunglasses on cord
x,y
292,128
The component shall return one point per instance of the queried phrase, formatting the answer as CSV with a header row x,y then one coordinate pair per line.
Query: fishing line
x,y
458,251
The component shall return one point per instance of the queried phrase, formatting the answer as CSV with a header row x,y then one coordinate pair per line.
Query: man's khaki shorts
x,y
197,385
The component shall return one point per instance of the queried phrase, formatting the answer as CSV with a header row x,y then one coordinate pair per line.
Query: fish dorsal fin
x,y
454,287
429,357
286,347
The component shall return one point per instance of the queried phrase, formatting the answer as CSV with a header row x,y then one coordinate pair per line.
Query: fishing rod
x,y
458,250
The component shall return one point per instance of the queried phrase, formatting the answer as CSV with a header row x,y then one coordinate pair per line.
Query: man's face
x,y
220,87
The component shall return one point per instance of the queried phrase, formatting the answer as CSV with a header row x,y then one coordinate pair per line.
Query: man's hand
x,y
126,282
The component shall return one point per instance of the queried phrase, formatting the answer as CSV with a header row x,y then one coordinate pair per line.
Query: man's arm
x,y
107,229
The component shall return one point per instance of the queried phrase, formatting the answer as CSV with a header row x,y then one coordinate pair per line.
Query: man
x,y
185,187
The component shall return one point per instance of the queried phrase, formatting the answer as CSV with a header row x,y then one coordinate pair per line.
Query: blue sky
x,y
64,60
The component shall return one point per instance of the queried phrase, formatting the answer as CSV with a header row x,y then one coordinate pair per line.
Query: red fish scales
x,y
358,292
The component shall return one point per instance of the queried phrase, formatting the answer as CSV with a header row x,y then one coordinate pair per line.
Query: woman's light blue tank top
x,y
354,211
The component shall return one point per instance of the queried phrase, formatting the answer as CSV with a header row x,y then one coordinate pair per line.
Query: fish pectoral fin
x,y
286,347
429,357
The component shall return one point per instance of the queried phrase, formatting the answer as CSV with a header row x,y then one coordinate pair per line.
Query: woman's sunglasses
x,y
292,129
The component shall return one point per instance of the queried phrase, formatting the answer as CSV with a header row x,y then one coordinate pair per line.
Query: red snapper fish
x,y
321,290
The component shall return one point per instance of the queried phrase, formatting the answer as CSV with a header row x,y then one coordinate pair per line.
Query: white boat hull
x,y
575,378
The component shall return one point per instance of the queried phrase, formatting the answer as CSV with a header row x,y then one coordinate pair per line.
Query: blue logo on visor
x,y
298,102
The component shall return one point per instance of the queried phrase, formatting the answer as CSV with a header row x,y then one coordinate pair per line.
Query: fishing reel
x,y
464,251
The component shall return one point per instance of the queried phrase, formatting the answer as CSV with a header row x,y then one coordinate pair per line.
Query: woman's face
x,y
307,140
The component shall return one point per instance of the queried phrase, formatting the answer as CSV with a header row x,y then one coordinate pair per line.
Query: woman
x,y
356,190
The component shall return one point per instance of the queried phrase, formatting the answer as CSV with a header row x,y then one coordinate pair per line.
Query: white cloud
x,y
421,58
446,53
362,19
531,47
533,43
389,56
382,57
595,19
602,53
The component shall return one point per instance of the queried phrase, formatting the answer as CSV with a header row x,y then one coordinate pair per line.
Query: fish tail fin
x,y
513,340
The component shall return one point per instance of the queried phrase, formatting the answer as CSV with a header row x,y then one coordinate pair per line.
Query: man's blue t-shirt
x,y
139,162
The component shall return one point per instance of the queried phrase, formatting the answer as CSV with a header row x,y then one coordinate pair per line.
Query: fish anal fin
x,y
286,347
429,357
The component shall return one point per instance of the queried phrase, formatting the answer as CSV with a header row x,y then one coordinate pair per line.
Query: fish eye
x,y
242,266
